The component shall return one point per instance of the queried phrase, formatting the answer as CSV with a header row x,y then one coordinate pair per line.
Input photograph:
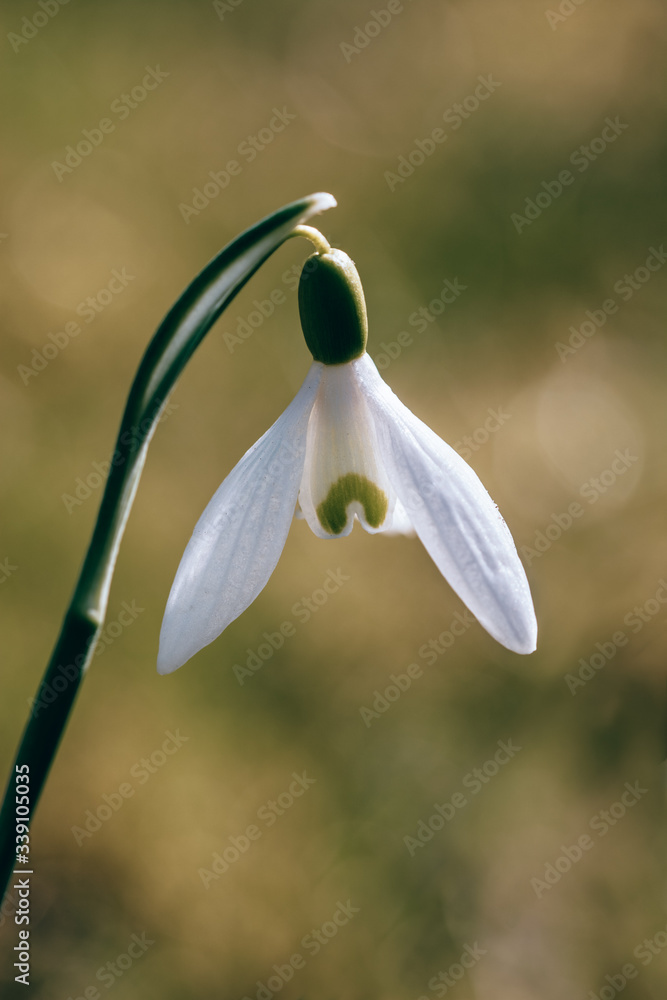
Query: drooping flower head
x,y
345,449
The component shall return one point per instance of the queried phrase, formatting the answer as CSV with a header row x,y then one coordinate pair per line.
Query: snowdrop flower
x,y
345,449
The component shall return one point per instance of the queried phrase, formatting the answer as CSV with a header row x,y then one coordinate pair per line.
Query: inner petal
x,y
343,476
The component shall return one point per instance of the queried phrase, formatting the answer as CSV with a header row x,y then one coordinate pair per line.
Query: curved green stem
x,y
176,339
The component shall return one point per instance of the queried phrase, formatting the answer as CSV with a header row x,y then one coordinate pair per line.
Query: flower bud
x,y
332,308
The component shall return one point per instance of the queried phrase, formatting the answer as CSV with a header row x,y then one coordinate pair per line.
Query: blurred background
x,y
516,151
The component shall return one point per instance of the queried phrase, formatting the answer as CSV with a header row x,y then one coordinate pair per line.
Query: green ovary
x,y
332,512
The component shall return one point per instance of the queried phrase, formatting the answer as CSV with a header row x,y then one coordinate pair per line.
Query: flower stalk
x,y
176,339
315,236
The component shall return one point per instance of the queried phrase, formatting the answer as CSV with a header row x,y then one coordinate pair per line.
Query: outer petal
x,y
238,539
454,516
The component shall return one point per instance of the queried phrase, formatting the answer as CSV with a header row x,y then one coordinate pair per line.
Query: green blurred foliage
x,y
356,113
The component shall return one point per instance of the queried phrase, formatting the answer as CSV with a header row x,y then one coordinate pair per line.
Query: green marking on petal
x,y
332,512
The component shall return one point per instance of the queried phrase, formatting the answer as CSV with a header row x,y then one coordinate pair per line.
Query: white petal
x,y
343,476
238,539
454,516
